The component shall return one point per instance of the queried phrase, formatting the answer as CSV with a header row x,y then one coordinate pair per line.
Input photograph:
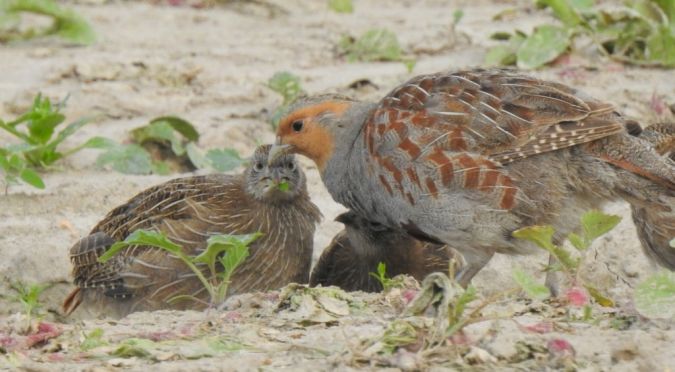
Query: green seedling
x,y
381,276
225,251
93,340
40,142
641,32
341,6
375,45
28,295
289,87
594,224
655,297
65,23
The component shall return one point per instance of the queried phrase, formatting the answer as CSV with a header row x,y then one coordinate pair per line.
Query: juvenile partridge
x,y
356,251
465,158
189,210
656,227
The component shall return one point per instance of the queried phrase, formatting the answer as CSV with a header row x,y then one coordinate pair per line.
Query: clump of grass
x,y
381,276
226,251
40,142
642,32
289,87
376,44
65,22
594,224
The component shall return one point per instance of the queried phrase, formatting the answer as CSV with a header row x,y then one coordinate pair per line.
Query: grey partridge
x,y
190,210
465,158
356,251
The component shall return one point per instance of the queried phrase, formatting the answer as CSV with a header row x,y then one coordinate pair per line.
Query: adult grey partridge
x,y
465,158
189,210
355,252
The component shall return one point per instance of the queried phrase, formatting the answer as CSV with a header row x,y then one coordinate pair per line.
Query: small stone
x,y
477,355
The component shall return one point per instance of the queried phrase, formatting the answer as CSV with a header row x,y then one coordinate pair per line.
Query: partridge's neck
x,y
344,172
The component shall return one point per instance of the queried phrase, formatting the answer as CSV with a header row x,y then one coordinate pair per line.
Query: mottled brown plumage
x,y
355,252
189,210
465,158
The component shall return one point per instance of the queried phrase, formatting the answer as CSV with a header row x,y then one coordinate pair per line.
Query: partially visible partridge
x,y
465,158
356,251
189,210
656,227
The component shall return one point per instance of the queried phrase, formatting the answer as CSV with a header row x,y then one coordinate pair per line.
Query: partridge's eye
x,y
291,166
297,125
258,166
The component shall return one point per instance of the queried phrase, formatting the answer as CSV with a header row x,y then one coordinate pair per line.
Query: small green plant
x,y
28,295
227,251
289,87
93,340
165,144
341,6
375,45
655,297
642,32
40,141
65,23
594,224
381,276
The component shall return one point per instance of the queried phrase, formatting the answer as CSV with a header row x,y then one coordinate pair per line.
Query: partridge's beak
x,y
277,150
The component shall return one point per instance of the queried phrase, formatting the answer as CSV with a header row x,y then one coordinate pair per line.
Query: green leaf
x,y
539,235
661,47
457,16
578,242
161,168
142,237
373,45
67,24
41,128
234,257
529,285
93,340
596,224
159,131
129,159
283,186
601,299
655,297
287,85
134,347
30,177
544,45
224,160
564,11
500,55
196,157
180,125
341,6
99,143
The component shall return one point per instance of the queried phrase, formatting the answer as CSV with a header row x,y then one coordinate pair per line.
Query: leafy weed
x,y
65,22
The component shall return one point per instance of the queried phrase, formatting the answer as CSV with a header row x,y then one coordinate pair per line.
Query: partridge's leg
x,y
475,261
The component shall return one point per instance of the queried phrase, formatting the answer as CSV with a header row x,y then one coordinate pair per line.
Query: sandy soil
x,y
210,67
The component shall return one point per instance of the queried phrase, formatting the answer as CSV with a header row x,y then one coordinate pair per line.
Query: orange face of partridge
x,y
304,135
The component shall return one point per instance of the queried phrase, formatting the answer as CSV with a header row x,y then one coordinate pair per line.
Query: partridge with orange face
x,y
188,211
466,158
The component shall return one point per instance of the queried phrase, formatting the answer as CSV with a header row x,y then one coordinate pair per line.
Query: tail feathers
x,y
71,302
656,226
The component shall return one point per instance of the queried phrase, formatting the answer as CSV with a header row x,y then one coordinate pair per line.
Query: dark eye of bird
x,y
290,166
258,166
297,125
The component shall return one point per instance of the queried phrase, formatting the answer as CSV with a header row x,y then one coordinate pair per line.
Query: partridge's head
x,y
313,126
370,238
279,180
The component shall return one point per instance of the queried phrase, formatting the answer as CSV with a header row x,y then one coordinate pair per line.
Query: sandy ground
x,y
210,67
